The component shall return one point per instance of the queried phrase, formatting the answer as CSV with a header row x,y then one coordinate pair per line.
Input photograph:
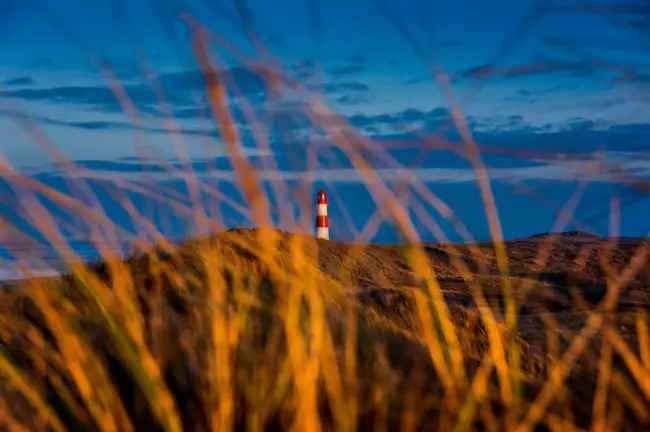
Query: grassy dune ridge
x,y
314,334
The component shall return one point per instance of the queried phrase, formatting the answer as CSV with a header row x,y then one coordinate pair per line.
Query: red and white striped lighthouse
x,y
322,223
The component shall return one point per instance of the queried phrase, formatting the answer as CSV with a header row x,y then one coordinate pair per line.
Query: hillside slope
x,y
357,327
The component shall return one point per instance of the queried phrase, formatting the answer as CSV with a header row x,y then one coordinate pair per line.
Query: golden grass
x,y
245,330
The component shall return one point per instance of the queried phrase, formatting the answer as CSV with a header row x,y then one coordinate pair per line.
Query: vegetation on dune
x,y
215,334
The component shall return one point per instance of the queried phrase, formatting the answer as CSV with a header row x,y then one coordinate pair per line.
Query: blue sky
x,y
555,92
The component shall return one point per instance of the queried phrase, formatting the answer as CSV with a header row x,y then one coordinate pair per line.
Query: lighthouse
x,y
322,223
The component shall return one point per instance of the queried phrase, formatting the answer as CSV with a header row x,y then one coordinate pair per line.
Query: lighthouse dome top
x,y
321,197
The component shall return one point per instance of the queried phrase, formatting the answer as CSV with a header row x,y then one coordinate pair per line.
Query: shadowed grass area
x,y
212,334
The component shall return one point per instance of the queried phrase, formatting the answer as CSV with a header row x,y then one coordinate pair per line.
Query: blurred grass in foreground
x,y
245,330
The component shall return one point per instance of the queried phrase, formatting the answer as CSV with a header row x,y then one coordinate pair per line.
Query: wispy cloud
x,y
619,167
428,119
628,14
178,88
19,81
632,76
352,100
182,92
578,68
342,87
573,45
98,97
107,125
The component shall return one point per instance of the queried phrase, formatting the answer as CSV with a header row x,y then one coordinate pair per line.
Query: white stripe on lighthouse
x,y
323,233
322,210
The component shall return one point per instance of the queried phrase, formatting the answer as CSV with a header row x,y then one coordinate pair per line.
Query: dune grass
x,y
245,329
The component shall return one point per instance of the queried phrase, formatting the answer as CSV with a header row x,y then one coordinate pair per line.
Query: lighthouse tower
x,y
322,223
